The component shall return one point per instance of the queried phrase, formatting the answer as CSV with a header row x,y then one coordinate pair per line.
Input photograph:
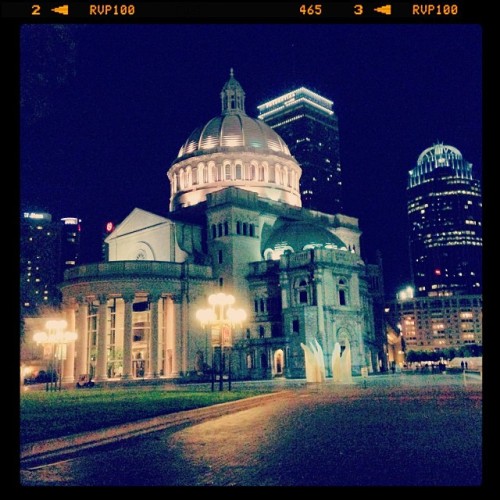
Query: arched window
x,y
220,229
195,176
302,290
238,172
226,228
227,170
262,332
343,292
204,174
214,231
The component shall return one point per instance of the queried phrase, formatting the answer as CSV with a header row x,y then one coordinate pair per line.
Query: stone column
x,y
69,363
152,371
82,352
102,353
176,337
127,335
183,332
171,354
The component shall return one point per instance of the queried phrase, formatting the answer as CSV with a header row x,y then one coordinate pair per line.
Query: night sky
x,y
105,109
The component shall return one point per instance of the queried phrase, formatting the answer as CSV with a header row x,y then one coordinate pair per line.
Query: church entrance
x,y
278,363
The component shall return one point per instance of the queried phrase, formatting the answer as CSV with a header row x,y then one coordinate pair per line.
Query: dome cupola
x,y
234,149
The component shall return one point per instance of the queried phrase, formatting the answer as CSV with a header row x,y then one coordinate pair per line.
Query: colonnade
x,y
161,347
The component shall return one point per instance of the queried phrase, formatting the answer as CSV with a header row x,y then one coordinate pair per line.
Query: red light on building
x,y
437,272
110,227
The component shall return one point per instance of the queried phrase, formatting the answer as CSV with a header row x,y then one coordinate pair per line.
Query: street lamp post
x,y
221,318
56,336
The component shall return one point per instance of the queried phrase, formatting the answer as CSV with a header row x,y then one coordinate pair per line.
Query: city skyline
x,y
100,128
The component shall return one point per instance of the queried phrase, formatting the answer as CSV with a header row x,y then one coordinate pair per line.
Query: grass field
x,y
45,415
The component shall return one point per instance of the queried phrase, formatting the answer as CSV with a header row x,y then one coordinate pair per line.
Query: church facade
x,y
236,226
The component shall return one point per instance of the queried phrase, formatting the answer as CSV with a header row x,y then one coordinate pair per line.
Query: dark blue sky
x,y
105,109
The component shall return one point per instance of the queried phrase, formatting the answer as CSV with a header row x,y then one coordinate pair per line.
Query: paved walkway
x,y
281,388
389,430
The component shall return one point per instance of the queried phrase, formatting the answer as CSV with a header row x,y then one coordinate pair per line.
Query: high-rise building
x,y
445,231
70,242
309,126
47,249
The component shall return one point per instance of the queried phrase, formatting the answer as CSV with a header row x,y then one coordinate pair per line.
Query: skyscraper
x,y
48,248
445,223
309,126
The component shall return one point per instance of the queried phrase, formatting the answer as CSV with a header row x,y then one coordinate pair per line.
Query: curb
x,y
91,439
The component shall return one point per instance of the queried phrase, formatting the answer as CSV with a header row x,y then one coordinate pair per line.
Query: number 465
x,y
311,10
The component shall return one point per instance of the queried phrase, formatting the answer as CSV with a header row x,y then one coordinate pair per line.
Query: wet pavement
x,y
387,430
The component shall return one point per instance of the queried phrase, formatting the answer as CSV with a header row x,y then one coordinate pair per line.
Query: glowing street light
x,y
221,318
57,337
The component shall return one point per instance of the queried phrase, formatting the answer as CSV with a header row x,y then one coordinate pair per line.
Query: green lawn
x,y
47,415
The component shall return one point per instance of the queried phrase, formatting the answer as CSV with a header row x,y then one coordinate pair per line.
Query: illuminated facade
x,y
430,323
309,126
235,225
445,223
48,248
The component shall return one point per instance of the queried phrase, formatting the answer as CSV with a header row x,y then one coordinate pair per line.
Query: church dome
x,y
233,130
234,149
299,236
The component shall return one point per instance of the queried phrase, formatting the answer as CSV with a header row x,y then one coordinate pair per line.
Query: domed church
x,y
236,228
